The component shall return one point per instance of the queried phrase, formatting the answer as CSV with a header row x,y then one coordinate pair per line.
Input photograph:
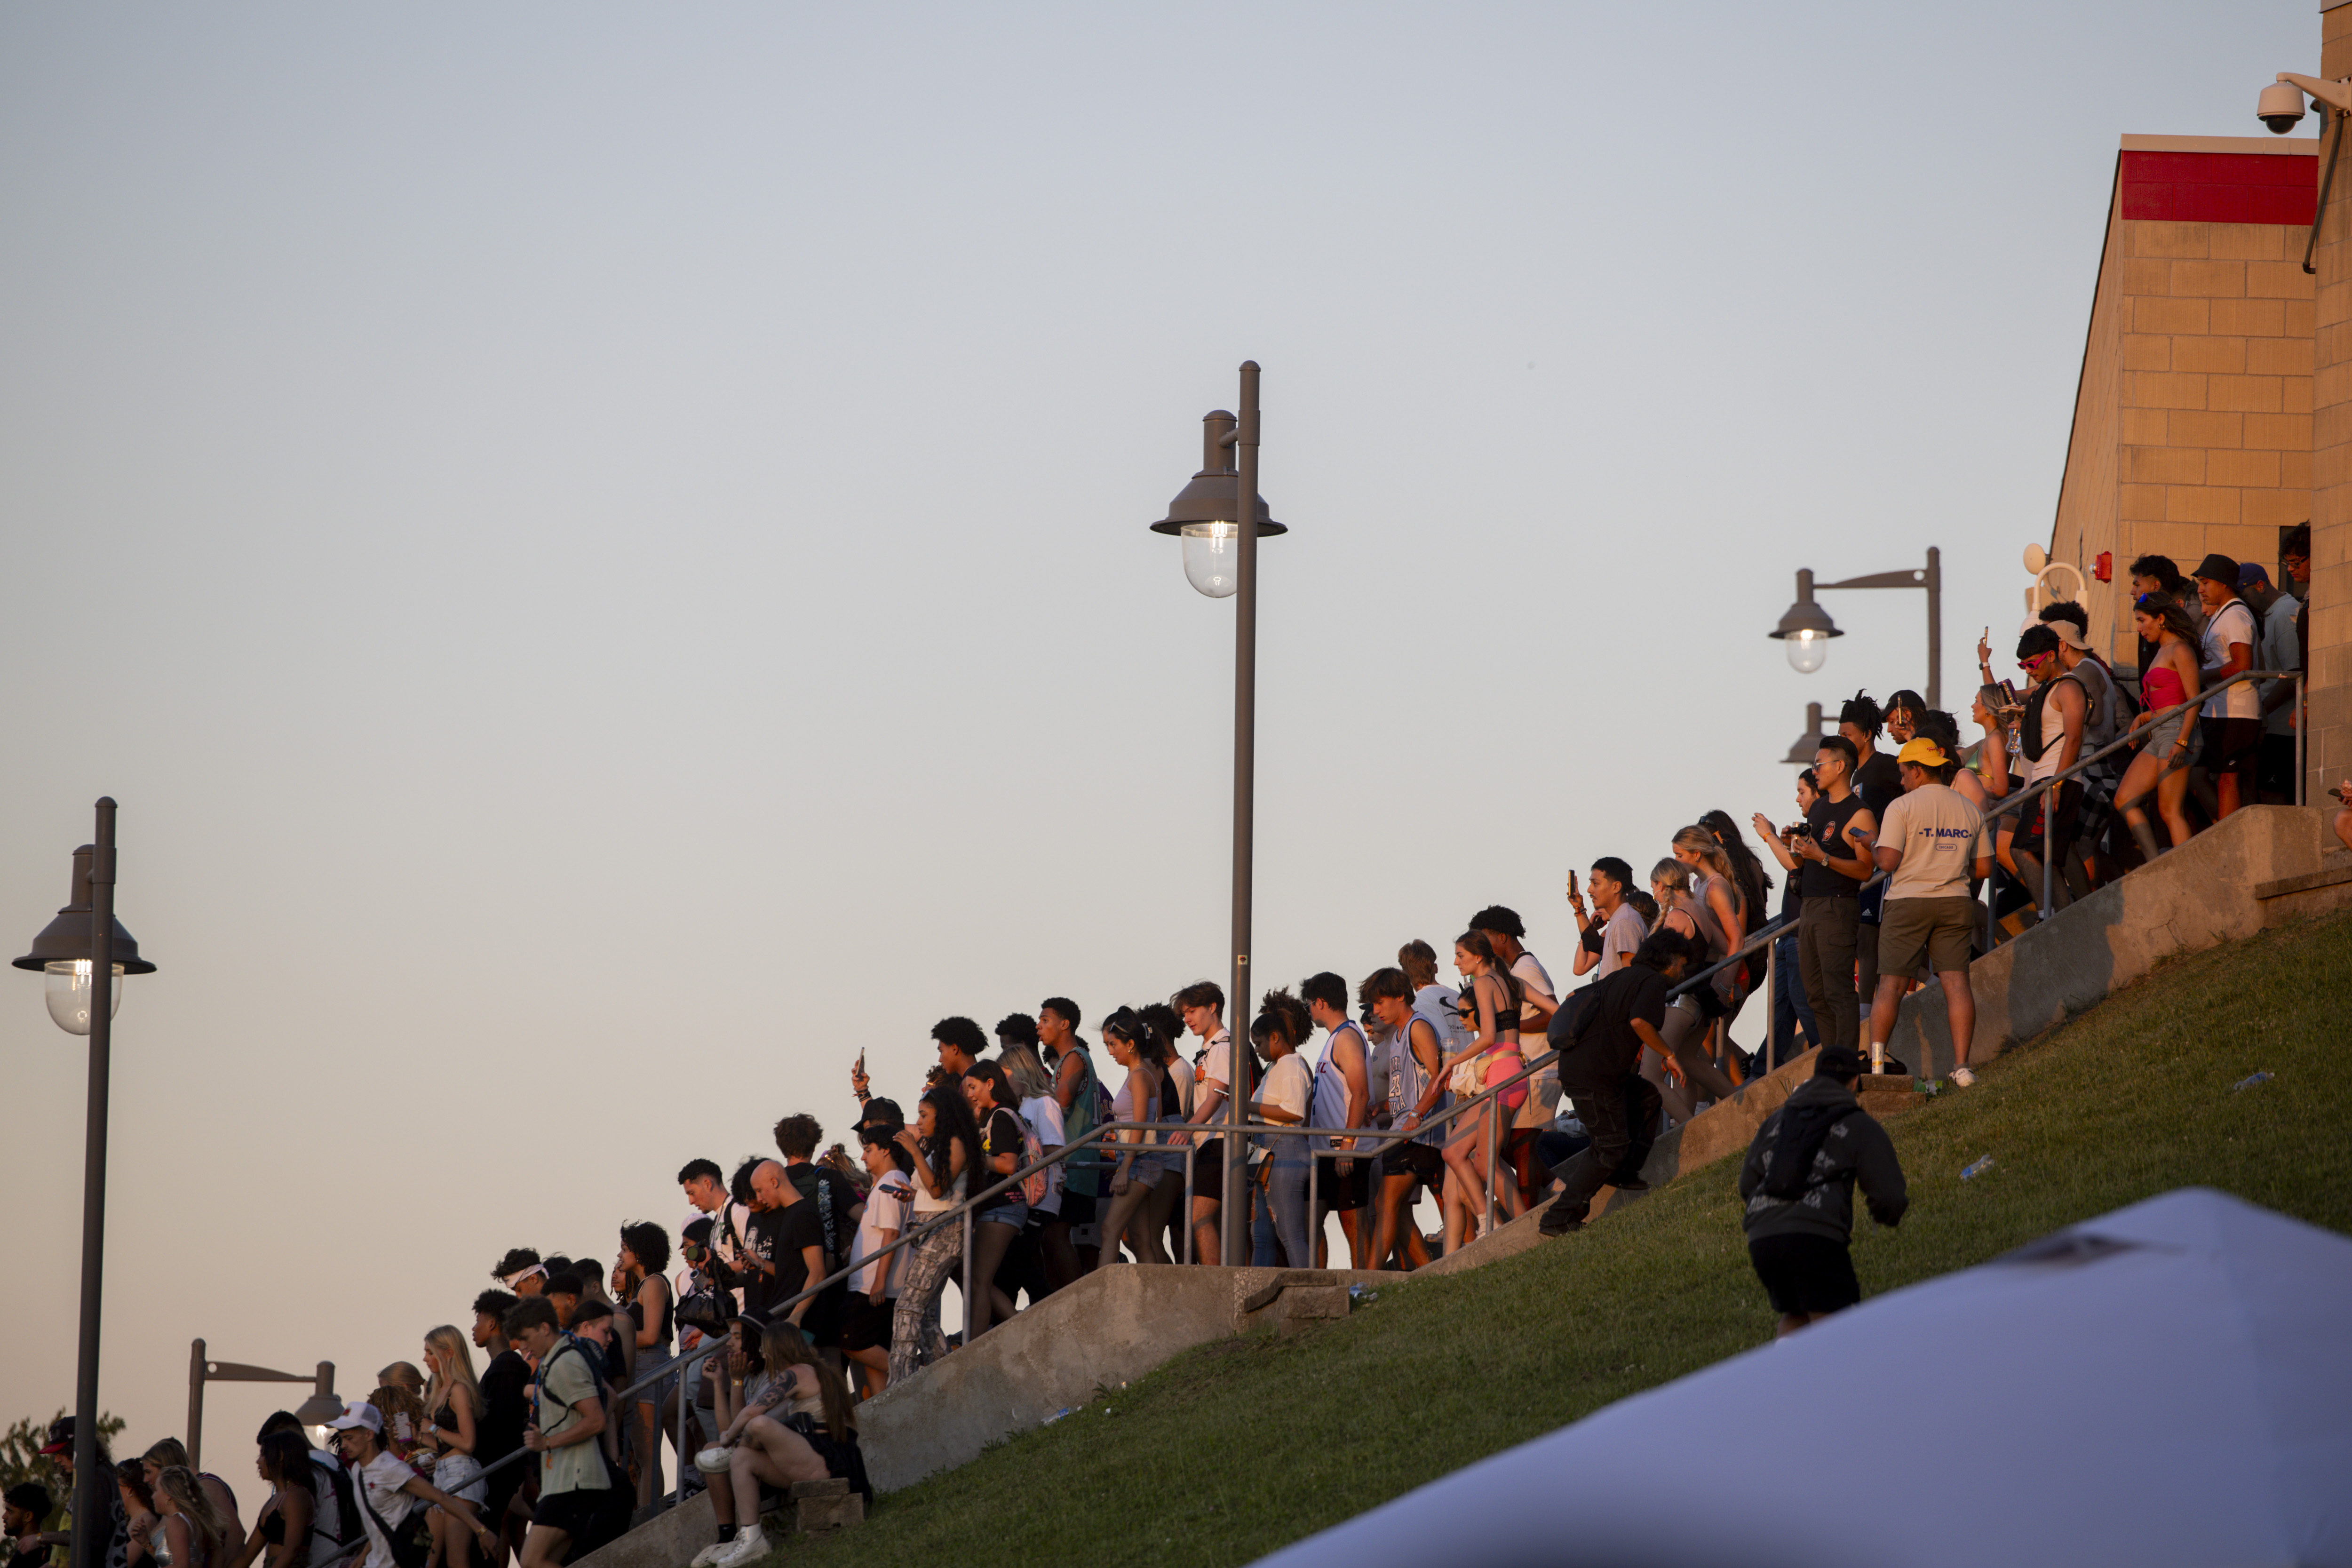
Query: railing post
x,y
1313,1215
1183,1220
2302,723
967,1275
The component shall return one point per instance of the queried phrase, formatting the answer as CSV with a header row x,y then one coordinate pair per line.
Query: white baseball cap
x,y
360,1415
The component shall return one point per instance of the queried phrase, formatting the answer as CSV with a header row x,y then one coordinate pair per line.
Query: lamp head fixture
x,y
61,954
1806,628
1203,513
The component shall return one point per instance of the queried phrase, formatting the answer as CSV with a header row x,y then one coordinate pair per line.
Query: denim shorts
x,y
1016,1214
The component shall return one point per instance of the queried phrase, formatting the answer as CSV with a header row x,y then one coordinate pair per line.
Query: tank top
x,y
1082,1171
2052,743
926,1204
1328,1105
2164,688
1122,1109
1408,1079
661,1336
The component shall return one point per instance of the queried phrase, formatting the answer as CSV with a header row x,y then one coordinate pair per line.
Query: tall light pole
x,y
82,956
1221,561
1806,628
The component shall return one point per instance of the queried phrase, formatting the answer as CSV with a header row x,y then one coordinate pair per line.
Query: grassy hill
x,y
1243,1446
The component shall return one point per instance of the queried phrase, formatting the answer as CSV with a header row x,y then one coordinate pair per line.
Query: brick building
x,y
2193,417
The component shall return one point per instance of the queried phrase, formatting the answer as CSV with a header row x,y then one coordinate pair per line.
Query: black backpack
x,y
1788,1174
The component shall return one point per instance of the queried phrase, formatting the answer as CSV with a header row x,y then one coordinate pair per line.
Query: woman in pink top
x,y
2169,746
1490,1009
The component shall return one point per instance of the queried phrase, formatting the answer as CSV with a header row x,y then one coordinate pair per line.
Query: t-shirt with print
x,y
886,1209
384,1477
1440,1006
2233,622
565,1381
780,1236
1288,1085
1002,1133
1936,828
1829,818
727,1228
809,1179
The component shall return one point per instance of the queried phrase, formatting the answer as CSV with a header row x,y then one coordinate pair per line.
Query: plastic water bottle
x,y
1970,1173
2250,1082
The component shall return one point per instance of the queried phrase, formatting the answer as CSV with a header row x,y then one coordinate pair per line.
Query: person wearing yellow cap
x,y
1930,840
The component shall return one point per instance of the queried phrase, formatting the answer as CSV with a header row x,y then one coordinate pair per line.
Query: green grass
x,y
1237,1447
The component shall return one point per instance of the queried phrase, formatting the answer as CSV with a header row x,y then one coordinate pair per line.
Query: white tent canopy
x,y
2170,1384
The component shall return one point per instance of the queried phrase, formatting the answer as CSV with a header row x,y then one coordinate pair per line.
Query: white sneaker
x,y
749,1546
709,1554
1964,1078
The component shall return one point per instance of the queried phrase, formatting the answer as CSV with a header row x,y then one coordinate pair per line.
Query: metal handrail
x,y
1092,1140
2013,802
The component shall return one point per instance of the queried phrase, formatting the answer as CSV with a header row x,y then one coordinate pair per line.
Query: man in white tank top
x,y
2055,714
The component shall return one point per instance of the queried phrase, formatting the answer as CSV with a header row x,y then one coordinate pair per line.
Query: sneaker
x,y
1964,1078
749,1546
712,1553
1558,1221
1630,1185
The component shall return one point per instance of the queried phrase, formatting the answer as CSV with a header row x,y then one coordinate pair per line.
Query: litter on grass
x,y
1970,1173
2249,1082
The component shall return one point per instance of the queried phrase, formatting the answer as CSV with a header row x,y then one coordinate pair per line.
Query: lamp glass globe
x,y
1807,649
1213,558
66,986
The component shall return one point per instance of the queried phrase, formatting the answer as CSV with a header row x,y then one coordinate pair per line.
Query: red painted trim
x,y
2216,187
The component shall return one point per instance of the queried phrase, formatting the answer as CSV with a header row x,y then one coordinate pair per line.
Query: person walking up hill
x,y
1798,1183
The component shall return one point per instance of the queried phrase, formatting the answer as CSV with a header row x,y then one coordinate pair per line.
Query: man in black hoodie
x,y
1799,1182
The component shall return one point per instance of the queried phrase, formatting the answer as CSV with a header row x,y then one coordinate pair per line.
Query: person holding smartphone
x,y
1834,856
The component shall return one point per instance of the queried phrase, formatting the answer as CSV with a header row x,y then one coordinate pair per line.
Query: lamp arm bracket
x,y
2337,95
1915,577
238,1371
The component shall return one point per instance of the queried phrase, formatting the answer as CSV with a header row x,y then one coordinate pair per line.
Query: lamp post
x,y
68,955
1807,627
1800,755
322,1407
1221,561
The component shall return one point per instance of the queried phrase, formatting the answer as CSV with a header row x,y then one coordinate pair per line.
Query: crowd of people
x,y
1894,875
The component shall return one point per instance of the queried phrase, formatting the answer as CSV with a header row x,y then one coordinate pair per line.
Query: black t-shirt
x,y
778,1235
1003,1133
1879,782
1829,819
1637,991
506,1387
813,1181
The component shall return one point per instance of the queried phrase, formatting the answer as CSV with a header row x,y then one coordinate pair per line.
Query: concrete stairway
x,y
2262,866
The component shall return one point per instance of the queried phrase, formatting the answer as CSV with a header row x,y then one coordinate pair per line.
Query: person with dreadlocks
x,y
1798,1183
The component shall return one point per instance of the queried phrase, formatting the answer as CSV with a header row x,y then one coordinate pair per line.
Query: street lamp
x,y
1221,561
1800,755
67,953
322,1407
1807,627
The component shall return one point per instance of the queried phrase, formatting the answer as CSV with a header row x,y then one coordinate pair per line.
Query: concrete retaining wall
x,y
2196,897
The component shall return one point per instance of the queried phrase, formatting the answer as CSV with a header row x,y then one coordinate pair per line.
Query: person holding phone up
x,y
1833,848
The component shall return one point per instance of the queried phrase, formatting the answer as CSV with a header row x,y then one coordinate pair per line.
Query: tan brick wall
x,y
2199,370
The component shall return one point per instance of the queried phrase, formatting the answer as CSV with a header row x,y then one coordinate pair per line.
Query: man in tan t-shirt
x,y
1930,840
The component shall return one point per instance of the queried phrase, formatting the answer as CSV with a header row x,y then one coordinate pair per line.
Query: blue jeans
x,y
1788,1004
1280,1211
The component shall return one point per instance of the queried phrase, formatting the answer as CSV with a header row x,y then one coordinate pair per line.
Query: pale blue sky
x,y
601,549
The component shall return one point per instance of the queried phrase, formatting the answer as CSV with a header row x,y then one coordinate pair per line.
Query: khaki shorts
x,y
1942,930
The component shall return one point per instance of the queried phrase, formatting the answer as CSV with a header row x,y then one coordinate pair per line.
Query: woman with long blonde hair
x,y
454,1405
165,1452
1715,883
191,1524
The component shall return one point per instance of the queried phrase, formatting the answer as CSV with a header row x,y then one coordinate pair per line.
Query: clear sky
x,y
602,549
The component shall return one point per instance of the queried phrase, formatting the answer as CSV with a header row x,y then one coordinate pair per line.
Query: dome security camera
x,y
2280,108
